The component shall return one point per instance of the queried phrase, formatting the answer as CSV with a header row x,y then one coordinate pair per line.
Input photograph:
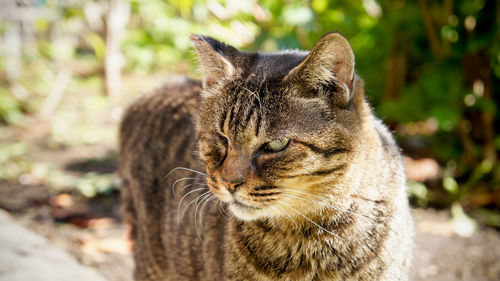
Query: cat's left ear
x,y
215,59
330,62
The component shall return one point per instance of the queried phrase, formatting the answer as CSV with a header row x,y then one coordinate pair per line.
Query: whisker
x,y
204,196
369,217
212,197
376,201
313,222
179,180
196,199
221,208
183,197
305,199
349,211
181,168
191,202
335,207
194,183
282,211
305,193
219,205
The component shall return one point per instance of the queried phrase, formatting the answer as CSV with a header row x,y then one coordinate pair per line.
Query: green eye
x,y
277,145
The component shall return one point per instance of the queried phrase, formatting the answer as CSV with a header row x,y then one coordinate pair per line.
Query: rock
x,y
26,256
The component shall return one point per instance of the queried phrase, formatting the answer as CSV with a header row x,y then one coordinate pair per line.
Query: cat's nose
x,y
233,179
232,187
235,171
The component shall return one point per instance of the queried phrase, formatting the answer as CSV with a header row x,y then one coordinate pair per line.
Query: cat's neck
x,y
327,222
305,248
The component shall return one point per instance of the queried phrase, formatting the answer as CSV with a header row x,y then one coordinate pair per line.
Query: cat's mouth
x,y
242,205
245,211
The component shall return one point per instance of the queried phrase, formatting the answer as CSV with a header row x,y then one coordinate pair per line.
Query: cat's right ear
x,y
330,62
215,58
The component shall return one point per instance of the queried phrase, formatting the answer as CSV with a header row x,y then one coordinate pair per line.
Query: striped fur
x,y
330,206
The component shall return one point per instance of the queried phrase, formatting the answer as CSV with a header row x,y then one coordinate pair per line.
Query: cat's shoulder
x,y
177,93
173,105
175,89
387,140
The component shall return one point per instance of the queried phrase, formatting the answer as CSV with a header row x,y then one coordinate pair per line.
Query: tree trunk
x,y
477,68
12,44
117,18
396,74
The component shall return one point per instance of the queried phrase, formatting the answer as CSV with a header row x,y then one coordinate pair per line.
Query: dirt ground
x,y
441,255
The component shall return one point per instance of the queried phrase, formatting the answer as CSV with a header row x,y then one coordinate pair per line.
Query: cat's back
x,y
157,137
169,108
156,134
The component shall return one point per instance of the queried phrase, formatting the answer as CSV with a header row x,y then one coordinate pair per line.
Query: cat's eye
x,y
277,145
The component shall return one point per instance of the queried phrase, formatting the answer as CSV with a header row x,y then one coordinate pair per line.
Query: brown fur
x,y
330,206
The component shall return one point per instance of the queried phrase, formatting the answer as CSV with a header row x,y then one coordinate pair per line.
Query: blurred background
x,y
69,68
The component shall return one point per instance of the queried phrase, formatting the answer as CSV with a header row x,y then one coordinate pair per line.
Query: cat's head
x,y
277,131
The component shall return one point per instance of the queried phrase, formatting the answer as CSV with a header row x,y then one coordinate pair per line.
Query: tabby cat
x,y
272,168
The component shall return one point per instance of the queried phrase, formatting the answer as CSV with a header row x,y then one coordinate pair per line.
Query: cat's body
x,y
328,204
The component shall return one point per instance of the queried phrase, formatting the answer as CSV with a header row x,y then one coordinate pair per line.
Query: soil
x,y
442,255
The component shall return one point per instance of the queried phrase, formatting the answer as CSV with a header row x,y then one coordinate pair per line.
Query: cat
x,y
273,167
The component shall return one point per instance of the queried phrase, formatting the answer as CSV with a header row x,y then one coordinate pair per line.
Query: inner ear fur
x,y
215,59
329,66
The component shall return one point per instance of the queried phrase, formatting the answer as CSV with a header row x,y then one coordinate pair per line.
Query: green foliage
x,y
92,184
418,192
10,108
12,161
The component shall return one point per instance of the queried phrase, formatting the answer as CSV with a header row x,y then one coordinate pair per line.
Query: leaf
x,y
98,44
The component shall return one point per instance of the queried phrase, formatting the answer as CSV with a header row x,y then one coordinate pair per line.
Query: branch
x,y
429,28
56,93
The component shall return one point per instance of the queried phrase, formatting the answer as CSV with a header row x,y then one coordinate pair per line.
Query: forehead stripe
x,y
325,152
237,115
319,172
223,119
249,112
257,126
232,112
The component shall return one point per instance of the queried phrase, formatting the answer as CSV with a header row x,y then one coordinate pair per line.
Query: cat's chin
x,y
247,213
